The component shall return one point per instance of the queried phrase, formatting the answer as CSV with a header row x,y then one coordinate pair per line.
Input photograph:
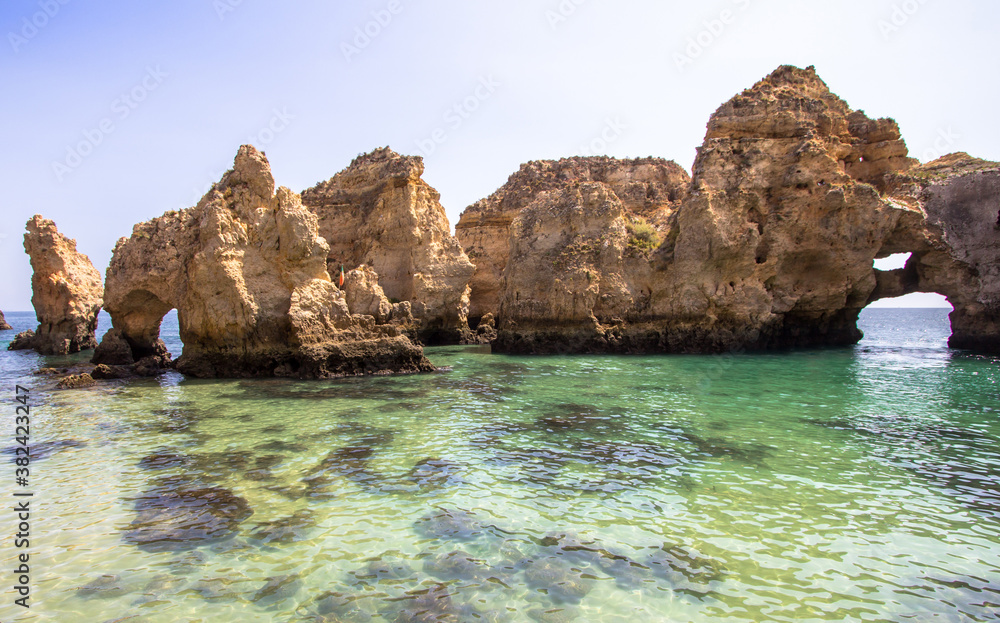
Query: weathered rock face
x,y
649,189
66,292
955,246
246,271
3,323
793,197
776,243
380,213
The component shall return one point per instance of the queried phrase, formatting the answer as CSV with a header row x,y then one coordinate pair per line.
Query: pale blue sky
x,y
531,79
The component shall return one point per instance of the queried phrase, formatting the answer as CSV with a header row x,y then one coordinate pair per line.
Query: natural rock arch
x,y
792,197
246,271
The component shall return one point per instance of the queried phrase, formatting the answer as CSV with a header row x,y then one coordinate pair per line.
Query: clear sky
x,y
114,112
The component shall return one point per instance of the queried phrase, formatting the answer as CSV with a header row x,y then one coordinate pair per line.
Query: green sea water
x,y
855,484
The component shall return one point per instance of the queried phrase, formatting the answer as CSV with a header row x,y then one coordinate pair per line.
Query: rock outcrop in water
x,y
954,241
246,271
66,293
648,189
3,323
380,213
770,245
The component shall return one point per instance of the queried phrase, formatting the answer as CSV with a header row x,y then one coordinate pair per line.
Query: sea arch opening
x,y
903,309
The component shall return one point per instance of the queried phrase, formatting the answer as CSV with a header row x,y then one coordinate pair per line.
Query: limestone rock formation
x,y
776,243
954,246
771,244
3,323
649,189
365,296
66,292
246,271
380,213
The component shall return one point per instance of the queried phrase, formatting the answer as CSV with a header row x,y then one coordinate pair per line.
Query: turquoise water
x,y
857,484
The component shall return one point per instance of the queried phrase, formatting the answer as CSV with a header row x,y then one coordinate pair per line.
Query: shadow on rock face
x,y
184,519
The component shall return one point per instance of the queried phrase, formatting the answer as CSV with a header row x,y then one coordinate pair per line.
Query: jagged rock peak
x,y
246,271
796,105
959,163
662,181
250,169
380,213
373,168
66,291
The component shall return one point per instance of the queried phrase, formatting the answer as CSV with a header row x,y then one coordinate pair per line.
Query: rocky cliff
x,y
770,245
3,323
66,293
246,271
380,213
954,244
649,190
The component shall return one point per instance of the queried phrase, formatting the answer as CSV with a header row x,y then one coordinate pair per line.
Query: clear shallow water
x,y
858,484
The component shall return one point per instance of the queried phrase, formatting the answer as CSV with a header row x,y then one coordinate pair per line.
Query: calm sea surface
x,y
857,484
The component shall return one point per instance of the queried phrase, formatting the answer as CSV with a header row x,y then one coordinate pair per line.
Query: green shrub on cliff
x,y
642,235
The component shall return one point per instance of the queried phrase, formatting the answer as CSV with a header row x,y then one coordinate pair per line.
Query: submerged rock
x,y
285,530
457,565
183,519
449,524
558,580
685,568
433,605
379,212
103,587
23,341
277,589
66,292
246,270
76,381
432,474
